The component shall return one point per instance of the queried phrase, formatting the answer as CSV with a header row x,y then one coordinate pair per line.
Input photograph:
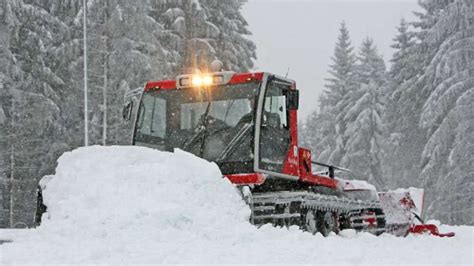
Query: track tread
x,y
286,207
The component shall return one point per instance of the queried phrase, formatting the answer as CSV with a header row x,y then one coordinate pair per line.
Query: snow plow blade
x,y
430,229
403,210
427,228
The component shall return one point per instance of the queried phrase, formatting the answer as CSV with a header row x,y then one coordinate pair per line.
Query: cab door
x,y
272,127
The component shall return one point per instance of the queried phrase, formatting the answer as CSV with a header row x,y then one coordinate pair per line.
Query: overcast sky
x,y
300,35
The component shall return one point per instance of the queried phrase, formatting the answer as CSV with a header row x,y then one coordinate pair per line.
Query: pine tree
x,y
404,136
363,117
402,68
125,52
232,47
189,32
310,131
7,70
334,100
33,131
197,32
65,59
447,110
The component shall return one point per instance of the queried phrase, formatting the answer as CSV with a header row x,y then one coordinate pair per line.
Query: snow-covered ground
x,y
138,205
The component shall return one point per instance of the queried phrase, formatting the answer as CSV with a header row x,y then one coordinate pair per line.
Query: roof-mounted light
x,y
200,80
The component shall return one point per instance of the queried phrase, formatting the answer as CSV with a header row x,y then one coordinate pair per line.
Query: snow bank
x,y
138,205
118,188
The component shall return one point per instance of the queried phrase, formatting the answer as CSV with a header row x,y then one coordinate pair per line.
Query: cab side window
x,y
275,111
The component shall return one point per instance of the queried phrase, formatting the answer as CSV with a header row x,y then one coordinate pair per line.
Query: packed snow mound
x,y
105,189
121,205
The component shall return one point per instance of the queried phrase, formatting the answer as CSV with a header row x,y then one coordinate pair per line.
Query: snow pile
x,y
137,205
118,188
110,196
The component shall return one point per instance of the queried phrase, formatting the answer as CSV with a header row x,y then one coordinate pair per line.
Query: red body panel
x,y
320,181
246,179
306,171
291,164
163,85
246,77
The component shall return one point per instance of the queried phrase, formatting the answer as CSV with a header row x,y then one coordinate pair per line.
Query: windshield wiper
x,y
233,143
200,128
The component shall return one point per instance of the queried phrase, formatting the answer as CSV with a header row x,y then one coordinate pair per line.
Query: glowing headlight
x,y
207,80
196,81
201,80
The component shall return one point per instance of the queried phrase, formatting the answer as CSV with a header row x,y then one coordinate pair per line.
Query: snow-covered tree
x,y
233,47
309,131
447,112
335,99
33,134
403,137
7,70
125,52
197,32
402,68
188,31
364,125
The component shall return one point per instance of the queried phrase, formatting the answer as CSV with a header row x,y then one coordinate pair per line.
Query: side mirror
x,y
293,99
127,111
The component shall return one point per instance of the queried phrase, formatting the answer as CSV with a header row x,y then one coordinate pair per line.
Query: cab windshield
x,y
214,123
